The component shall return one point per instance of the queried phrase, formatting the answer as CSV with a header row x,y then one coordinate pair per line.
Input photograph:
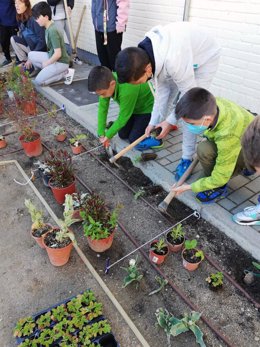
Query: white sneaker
x,y
77,61
250,216
69,76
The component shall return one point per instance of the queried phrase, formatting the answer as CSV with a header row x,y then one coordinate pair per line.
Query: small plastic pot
x,y
32,148
101,245
76,149
157,258
61,137
3,143
187,265
175,248
59,193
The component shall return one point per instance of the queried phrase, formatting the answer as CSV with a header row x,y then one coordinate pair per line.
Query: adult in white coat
x,y
178,56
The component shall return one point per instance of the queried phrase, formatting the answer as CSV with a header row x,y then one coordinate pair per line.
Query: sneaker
x,y
6,63
246,172
181,168
149,143
250,216
69,76
77,61
212,195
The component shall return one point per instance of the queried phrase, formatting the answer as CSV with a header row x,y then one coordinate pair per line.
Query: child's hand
x,y
166,127
148,130
181,189
105,141
28,64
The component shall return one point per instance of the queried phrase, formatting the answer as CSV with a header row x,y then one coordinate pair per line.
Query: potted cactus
x,y
191,256
62,180
39,228
158,251
75,143
59,133
175,238
58,242
99,223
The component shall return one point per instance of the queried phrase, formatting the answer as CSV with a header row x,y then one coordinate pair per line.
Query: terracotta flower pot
x,y
61,137
39,240
189,266
58,256
29,107
157,258
101,245
76,150
33,148
3,143
59,193
175,248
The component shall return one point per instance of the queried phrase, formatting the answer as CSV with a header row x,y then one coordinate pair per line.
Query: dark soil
x,y
173,241
162,251
50,241
41,231
189,256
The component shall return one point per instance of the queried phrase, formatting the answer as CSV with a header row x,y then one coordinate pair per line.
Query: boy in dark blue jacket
x,y
8,28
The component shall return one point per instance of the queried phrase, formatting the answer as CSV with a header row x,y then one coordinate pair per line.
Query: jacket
x,y
116,18
132,99
58,11
178,49
226,134
33,34
7,13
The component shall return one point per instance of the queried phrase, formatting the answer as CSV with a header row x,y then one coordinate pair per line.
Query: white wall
x,y
235,24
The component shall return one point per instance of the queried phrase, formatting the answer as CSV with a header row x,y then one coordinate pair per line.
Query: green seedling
x,y
133,274
159,246
139,193
75,141
191,245
58,130
177,233
256,265
58,313
173,326
44,320
215,279
29,343
24,327
47,337
162,283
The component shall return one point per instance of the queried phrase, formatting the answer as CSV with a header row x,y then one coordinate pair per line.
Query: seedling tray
x,y
105,340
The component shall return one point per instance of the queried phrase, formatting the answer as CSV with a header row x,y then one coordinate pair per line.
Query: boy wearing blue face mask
x,y
223,124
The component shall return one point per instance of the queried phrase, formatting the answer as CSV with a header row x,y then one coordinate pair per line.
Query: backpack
x,y
53,2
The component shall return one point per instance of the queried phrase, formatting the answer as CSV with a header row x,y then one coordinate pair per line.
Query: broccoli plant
x,y
174,326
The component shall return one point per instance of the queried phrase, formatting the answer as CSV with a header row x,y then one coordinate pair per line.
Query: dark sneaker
x,y
212,195
149,143
6,63
181,168
246,172
250,216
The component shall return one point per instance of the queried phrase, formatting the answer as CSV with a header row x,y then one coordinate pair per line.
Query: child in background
x,y
251,150
223,124
54,64
135,104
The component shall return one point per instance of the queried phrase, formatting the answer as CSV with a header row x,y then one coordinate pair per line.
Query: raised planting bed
x,y
76,321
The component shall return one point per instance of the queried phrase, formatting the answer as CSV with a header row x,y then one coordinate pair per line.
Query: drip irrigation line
x,y
108,267
168,218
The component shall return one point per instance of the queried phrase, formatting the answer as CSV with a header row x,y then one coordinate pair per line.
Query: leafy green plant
x,y
177,233
190,245
47,337
75,141
44,320
173,326
139,193
24,327
58,313
29,343
162,283
67,221
159,247
58,130
99,222
20,83
215,279
36,215
256,265
133,274
61,168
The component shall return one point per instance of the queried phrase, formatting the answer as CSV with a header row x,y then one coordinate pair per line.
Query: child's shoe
x,y
77,61
250,216
149,143
181,168
69,76
212,195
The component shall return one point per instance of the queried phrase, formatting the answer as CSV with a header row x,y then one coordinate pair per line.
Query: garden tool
x,y
113,159
162,207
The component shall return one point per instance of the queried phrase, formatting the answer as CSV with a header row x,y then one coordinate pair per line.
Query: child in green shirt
x,y
223,124
54,64
135,107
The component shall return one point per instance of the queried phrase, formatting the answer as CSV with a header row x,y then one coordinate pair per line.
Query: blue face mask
x,y
196,129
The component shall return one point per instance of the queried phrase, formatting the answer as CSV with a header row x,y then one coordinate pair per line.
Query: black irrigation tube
x,y
168,219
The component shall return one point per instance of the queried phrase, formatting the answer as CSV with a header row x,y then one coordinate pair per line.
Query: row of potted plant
x,y
175,241
77,321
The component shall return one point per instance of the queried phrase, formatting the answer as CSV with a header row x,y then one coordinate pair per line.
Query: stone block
x,y
240,195
254,185
238,182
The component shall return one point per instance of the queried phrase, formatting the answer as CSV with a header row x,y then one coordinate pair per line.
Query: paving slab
x,y
161,171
